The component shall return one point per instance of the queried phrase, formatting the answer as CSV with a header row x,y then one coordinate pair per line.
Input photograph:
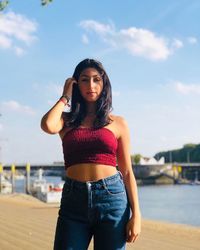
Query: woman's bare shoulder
x,y
119,125
119,120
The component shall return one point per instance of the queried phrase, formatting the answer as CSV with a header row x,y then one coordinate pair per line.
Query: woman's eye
x,y
97,80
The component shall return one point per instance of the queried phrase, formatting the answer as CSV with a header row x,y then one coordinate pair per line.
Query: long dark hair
x,y
78,105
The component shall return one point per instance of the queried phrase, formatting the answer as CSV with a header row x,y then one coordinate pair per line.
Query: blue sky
x,y
150,49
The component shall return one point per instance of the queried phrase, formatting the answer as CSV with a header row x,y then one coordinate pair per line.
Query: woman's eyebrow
x,y
89,76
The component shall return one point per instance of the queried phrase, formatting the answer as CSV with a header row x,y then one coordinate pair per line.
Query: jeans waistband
x,y
94,184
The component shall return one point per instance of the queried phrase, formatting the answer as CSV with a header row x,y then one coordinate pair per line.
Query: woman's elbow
x,y
48,128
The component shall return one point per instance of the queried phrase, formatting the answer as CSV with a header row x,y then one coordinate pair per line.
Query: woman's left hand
x,y
133,228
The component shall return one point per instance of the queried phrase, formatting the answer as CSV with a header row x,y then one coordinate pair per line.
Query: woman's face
x,y
90,84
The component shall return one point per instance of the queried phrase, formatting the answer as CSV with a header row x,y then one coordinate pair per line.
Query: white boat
x,y
5,186
196,180
46,191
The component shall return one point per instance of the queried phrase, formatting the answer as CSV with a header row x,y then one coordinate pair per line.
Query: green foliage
x,y
5,3
45,2
136,158
189,145
189,153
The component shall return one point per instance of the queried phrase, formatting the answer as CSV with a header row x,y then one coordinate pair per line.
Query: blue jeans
x,y
94,208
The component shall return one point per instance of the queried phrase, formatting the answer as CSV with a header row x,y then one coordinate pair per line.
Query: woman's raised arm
x,y
52,122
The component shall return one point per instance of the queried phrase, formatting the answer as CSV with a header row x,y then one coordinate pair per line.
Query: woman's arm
x,y
125,166
52,122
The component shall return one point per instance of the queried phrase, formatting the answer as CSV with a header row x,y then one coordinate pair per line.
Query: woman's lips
x,y
90,93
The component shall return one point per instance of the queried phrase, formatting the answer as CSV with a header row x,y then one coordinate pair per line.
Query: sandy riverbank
x,y
27,223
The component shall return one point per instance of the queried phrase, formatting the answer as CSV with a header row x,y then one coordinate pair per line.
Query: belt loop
x,y
120,175
88,183
104,183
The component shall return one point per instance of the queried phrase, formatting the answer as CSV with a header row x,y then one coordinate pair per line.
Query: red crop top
x,y
89,145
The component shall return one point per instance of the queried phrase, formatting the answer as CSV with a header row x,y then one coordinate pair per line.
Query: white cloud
x,y
186,89
177,44
144,43
15,28
5,42
96,26
19,51
138,42
192,40
17,107
1,127
85,39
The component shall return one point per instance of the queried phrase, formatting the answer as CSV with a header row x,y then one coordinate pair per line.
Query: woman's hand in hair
x,y
68,87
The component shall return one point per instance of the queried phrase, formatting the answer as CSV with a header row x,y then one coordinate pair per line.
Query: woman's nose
x,y
91,82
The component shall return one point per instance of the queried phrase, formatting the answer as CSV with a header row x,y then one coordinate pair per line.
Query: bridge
x,y
54,169
54,166
189,171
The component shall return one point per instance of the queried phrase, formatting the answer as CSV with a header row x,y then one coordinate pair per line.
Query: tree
x,y
136,158
5,3
189,145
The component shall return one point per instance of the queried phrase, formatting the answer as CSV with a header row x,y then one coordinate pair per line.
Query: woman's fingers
x,y
131,236
69,86
135,237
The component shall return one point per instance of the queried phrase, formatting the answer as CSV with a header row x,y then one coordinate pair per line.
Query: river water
x,y
171,203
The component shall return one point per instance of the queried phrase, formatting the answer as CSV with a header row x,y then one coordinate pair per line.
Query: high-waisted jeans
x,y
93,208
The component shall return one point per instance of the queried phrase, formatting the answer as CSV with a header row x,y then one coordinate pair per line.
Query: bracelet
x,y
65,99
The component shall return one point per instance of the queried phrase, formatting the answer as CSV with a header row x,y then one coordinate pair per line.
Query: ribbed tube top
x,y
89,145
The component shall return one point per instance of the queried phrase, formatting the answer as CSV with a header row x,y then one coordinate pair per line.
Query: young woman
x,y
99,199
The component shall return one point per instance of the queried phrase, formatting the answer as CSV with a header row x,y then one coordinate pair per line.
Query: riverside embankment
x,y
27,223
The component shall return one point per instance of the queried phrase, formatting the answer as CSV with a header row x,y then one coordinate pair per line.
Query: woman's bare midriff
x,y
90,172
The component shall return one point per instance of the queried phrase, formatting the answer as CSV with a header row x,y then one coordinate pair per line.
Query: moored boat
x,y
5,185
46,191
